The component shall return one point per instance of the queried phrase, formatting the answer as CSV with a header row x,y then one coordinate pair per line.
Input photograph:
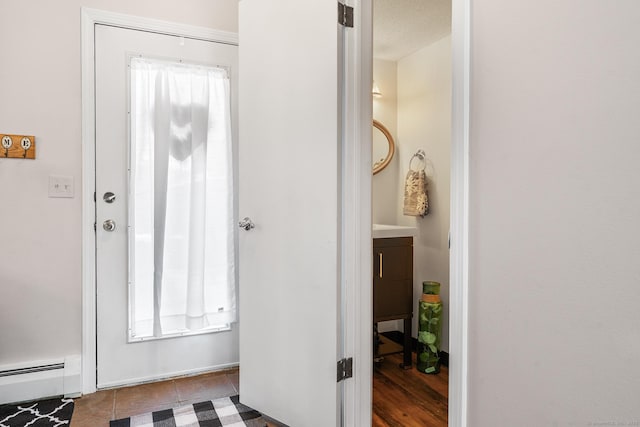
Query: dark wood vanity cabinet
x,y
393,290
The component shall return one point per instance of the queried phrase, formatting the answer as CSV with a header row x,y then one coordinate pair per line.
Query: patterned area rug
x,y
227,411
43,413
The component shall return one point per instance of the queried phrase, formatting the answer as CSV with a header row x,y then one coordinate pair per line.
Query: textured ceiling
x,y
401,27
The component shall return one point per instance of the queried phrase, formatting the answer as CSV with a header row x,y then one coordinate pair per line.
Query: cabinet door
x,y
392,278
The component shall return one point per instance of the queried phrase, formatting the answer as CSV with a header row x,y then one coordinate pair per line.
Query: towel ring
x,y
420,154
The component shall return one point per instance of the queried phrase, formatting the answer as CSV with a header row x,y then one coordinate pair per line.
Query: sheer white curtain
x,y
181,237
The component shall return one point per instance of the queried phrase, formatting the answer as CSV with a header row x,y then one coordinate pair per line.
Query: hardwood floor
x,y
406,398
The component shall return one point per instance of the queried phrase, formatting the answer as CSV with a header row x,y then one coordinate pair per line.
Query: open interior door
x,y
289,187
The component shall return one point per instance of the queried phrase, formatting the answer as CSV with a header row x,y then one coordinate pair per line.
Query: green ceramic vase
x,y
429,329
431,288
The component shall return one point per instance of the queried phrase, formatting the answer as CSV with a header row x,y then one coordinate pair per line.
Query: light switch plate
x,y
60,186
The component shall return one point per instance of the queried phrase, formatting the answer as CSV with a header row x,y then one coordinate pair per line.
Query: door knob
x,y
109,197
109,225
246,223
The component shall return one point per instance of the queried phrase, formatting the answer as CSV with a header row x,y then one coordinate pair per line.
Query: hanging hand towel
x,y
416,200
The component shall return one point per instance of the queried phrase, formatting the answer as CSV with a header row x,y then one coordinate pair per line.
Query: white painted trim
x,y
459,253
88,206
96,16
89,18
356,216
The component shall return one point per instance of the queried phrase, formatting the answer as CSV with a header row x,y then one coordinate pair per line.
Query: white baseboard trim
x,y
148,379
40,379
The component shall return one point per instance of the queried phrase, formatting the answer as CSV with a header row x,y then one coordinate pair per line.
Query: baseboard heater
x,y
40,379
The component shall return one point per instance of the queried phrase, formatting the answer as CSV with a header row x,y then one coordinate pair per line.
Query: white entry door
x,y
128,350
290,189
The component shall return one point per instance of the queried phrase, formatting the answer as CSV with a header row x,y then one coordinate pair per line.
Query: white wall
x,y
424,122
40,243
385,110
555,206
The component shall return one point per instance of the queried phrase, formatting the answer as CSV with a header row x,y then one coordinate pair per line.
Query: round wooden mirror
x,y
383,147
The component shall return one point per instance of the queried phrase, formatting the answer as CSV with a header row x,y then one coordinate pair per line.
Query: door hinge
x,y
95,227
345,15
345,368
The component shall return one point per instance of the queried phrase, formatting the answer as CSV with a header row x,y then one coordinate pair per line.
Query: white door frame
x,y
357,216
357,274
89,19
459,252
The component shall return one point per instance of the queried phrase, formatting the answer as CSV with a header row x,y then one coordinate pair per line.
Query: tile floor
x,y
97,409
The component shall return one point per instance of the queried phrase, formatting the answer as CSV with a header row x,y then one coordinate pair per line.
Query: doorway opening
x,y
110,31
412,98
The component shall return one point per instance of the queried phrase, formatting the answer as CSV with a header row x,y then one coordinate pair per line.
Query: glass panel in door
x,y
181,257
